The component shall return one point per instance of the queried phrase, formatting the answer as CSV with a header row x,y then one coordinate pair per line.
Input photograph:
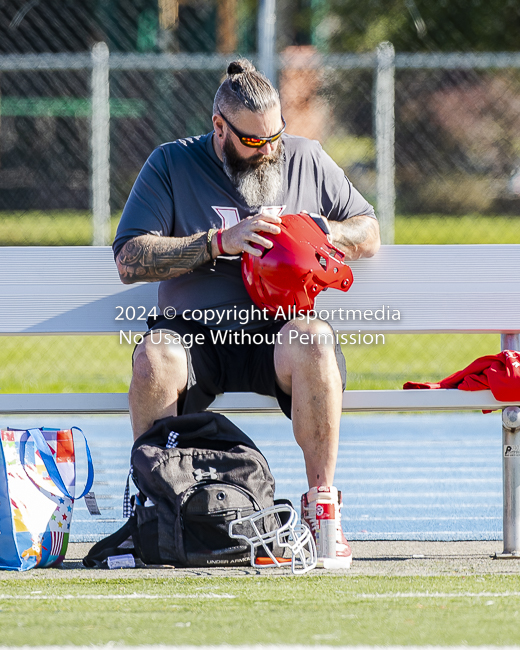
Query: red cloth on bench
x,y
498,372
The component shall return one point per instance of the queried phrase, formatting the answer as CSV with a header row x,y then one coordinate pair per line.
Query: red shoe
x,y
321,512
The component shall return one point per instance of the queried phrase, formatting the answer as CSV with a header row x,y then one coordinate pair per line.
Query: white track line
x,y
454,518
406,481
438,594
385,596
112,596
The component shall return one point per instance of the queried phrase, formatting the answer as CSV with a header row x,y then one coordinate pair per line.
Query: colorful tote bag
x,y
37,494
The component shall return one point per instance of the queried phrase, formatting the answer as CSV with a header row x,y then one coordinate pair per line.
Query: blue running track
x,y
403,476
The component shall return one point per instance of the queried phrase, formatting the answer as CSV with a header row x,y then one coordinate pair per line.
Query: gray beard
x,y
259,181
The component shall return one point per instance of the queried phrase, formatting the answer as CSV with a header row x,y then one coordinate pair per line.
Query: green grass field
x,y
99,363
74,228
69,364
57,228
468,229
313,610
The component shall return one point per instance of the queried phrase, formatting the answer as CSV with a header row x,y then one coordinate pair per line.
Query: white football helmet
x,y
281,529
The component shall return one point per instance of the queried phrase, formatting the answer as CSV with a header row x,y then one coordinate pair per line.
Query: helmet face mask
x,y
301,263
276,529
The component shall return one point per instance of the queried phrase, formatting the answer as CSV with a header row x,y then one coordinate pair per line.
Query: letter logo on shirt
x,y
273,210
229,216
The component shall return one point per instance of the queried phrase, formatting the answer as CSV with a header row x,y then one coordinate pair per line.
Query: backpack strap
x,y
128,507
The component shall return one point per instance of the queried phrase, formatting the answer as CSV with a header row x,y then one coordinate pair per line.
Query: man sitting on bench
x,y
198,203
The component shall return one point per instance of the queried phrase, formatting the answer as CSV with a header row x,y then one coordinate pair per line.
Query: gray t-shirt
x,y
182,189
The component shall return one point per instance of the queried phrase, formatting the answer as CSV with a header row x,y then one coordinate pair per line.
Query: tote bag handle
x,y
50,464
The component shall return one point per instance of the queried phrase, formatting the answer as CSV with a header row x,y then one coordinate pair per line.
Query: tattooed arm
x,y
357,236
149,258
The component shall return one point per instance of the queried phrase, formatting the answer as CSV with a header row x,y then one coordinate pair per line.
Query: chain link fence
x,y
456,152
452,153
457,145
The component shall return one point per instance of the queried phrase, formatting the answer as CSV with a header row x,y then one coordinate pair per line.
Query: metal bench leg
x,y
511,479
511,467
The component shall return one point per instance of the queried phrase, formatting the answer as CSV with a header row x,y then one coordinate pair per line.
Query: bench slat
x,y
75,290
353,401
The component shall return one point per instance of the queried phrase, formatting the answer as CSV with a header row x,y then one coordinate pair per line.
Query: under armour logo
x,y
200,475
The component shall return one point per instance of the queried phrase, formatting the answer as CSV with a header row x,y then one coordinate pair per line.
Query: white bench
x,y
436,289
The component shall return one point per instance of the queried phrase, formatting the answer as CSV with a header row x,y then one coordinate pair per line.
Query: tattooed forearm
x,y
149,258
357,236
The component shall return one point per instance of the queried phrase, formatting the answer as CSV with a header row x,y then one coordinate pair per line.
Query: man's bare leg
x,y
310,373
160,375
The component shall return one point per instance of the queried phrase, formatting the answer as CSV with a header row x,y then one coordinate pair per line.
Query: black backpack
x,y
195,473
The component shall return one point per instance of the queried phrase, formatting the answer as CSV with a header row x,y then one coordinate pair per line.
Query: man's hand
x,y
356,237
239,238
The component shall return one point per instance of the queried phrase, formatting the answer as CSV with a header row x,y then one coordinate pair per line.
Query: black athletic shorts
x,y
220,367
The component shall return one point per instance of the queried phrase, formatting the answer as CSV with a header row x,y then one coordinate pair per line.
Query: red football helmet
x,y
301,263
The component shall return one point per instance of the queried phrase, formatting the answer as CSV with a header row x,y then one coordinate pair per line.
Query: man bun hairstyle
x,y
244,87
237,67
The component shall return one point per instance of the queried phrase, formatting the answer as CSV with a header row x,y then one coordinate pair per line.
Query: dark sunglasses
x,y
253,141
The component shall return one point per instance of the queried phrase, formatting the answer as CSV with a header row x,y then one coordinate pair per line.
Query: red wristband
x,y
221,250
